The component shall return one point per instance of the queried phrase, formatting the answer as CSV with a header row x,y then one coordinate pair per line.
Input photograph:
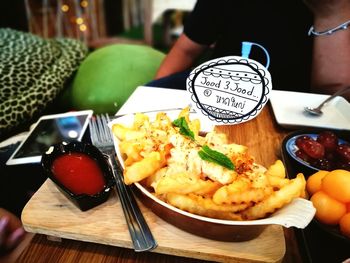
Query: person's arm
x,y
331,53
181,56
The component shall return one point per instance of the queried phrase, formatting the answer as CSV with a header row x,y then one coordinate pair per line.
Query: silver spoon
x,y
317,111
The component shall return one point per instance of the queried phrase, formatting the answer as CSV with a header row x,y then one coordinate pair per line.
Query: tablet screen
x,y
48,132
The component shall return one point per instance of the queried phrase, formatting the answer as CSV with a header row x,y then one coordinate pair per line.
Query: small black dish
x,y
288,149
332,231
83,201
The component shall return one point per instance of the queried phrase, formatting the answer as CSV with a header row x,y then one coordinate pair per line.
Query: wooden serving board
x,y
49,212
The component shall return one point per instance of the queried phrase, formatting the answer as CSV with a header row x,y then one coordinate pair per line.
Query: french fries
x,y
185,183
138,171
164,156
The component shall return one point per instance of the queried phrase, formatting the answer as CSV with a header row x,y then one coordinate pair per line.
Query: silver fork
x,y
102,138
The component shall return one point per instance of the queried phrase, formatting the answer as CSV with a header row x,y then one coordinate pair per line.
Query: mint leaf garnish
x,y
184,129
205,153
213,156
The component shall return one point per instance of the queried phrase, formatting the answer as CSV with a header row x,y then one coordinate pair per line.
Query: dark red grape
x,y
301,140
324,152
303,156
323,164
343,151
328,139
312,148
330,156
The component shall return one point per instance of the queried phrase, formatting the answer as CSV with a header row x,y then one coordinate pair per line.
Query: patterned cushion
x,y
33,71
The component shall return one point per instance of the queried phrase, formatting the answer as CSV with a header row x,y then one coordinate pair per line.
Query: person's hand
x,y
329,13
11,231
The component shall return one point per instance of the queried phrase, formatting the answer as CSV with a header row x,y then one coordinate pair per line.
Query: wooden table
x,y
263,138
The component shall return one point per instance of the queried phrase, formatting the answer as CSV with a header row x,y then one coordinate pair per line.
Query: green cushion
x,y
108,76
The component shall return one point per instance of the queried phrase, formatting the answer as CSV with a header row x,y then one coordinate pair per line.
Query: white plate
x,y
150,98
288,108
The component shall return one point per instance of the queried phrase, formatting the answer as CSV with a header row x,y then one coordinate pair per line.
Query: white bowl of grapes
x,y
320,150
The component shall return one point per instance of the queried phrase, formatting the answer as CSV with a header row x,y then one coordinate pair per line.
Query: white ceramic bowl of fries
x,y
194,179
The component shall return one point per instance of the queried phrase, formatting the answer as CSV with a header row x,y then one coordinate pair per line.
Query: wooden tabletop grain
x,y
262,136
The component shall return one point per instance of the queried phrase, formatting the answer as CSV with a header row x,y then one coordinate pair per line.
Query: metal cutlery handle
x,y
339,92
318,110
141,235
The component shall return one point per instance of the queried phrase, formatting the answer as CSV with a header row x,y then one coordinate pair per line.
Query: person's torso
x,y
279,26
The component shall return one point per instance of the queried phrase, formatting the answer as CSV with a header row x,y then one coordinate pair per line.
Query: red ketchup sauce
x,y
79,173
